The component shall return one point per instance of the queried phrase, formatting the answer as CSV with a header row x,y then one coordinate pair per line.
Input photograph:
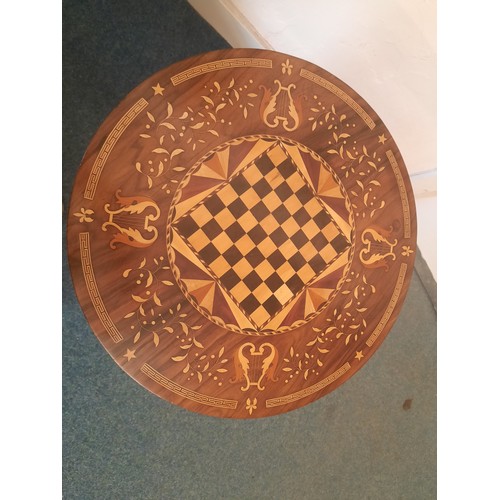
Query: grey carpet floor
x,y
121,442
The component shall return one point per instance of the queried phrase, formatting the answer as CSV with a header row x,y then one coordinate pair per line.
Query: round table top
x,y
242,233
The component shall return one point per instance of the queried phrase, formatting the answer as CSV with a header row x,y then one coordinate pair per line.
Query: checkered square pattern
x,y
264,235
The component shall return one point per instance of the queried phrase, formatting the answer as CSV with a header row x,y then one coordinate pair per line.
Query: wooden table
x,y
242,233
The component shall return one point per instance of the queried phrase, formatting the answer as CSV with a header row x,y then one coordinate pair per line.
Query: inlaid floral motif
x,y
307,363
407,251
150,316
251,405
191,127
348,323
198,363
84,215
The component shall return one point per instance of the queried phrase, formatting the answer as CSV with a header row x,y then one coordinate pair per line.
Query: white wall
x,y
385,50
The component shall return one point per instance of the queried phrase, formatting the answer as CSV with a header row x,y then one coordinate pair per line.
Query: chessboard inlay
x,y
264,235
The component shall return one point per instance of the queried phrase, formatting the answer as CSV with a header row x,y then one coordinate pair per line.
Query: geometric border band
x,y
339,93
108,145
402,192
391,305
290,398
187,393
95,296
240,62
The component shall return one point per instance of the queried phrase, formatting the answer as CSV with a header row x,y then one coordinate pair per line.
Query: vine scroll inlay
x,y
270,403
187,393
340,93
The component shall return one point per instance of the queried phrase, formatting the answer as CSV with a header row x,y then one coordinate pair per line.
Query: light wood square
x,y
222,242
240,291
260,315
277,155
310,229
262,293
247,221
225,218
227,194
269,224
199,240
242,268
267,247
201,215
220,266
264,269
305,273
250,198
283,294
290,226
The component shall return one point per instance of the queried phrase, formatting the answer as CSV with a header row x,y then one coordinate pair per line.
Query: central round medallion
x,y
260,235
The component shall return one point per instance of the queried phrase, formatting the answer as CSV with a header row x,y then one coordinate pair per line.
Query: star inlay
x,y
129,354
158,89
